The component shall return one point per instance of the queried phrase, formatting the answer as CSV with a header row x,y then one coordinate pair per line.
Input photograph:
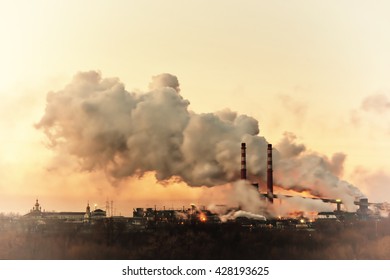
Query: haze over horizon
x,y
314,73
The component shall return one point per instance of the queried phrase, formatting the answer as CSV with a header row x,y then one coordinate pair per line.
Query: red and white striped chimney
x,y
243,161
270,180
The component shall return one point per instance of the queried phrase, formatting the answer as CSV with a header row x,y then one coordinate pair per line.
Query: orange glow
x,y
279,190
296,214
202,217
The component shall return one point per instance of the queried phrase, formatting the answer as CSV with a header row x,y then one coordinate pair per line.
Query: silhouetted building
x,y
36,213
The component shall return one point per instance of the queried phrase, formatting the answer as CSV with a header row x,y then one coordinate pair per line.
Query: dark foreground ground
x,y
362,240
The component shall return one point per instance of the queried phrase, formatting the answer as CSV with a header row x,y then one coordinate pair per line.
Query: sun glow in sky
x,y
317,69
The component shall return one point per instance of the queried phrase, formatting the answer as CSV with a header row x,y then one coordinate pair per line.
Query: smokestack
x,y
270,181
363,206
243,161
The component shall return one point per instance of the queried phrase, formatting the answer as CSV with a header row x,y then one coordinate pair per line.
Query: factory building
x,y
144,218
363,212
36,213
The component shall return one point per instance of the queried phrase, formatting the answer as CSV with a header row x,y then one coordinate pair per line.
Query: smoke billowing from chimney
x,y
311,172
126,134
105,127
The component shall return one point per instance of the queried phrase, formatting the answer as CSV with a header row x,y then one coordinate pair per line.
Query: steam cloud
x,y
126,134
307,171
378,103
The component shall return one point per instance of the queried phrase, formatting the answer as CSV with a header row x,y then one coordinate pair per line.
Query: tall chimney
x,y
243,161
270,180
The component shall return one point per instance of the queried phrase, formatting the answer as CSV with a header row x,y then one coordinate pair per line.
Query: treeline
x,y
363,240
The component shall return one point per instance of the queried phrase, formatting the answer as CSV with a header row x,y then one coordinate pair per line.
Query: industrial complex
x,y
147,218
197,232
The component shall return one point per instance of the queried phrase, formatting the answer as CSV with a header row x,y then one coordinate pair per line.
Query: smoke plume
x,y
375,182
105,127
240,213
308,171
305,205
378,103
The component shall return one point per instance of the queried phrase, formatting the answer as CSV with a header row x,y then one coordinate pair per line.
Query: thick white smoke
x,y
105,127
305,206
247,197
240,213
300,170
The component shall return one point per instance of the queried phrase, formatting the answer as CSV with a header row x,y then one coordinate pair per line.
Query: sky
x,y
317,71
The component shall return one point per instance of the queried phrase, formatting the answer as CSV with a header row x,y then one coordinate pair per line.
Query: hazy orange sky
x,y
317,69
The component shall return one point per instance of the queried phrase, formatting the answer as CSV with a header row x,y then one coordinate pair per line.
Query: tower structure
x,y
270,181
37,207
88,214
243,161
